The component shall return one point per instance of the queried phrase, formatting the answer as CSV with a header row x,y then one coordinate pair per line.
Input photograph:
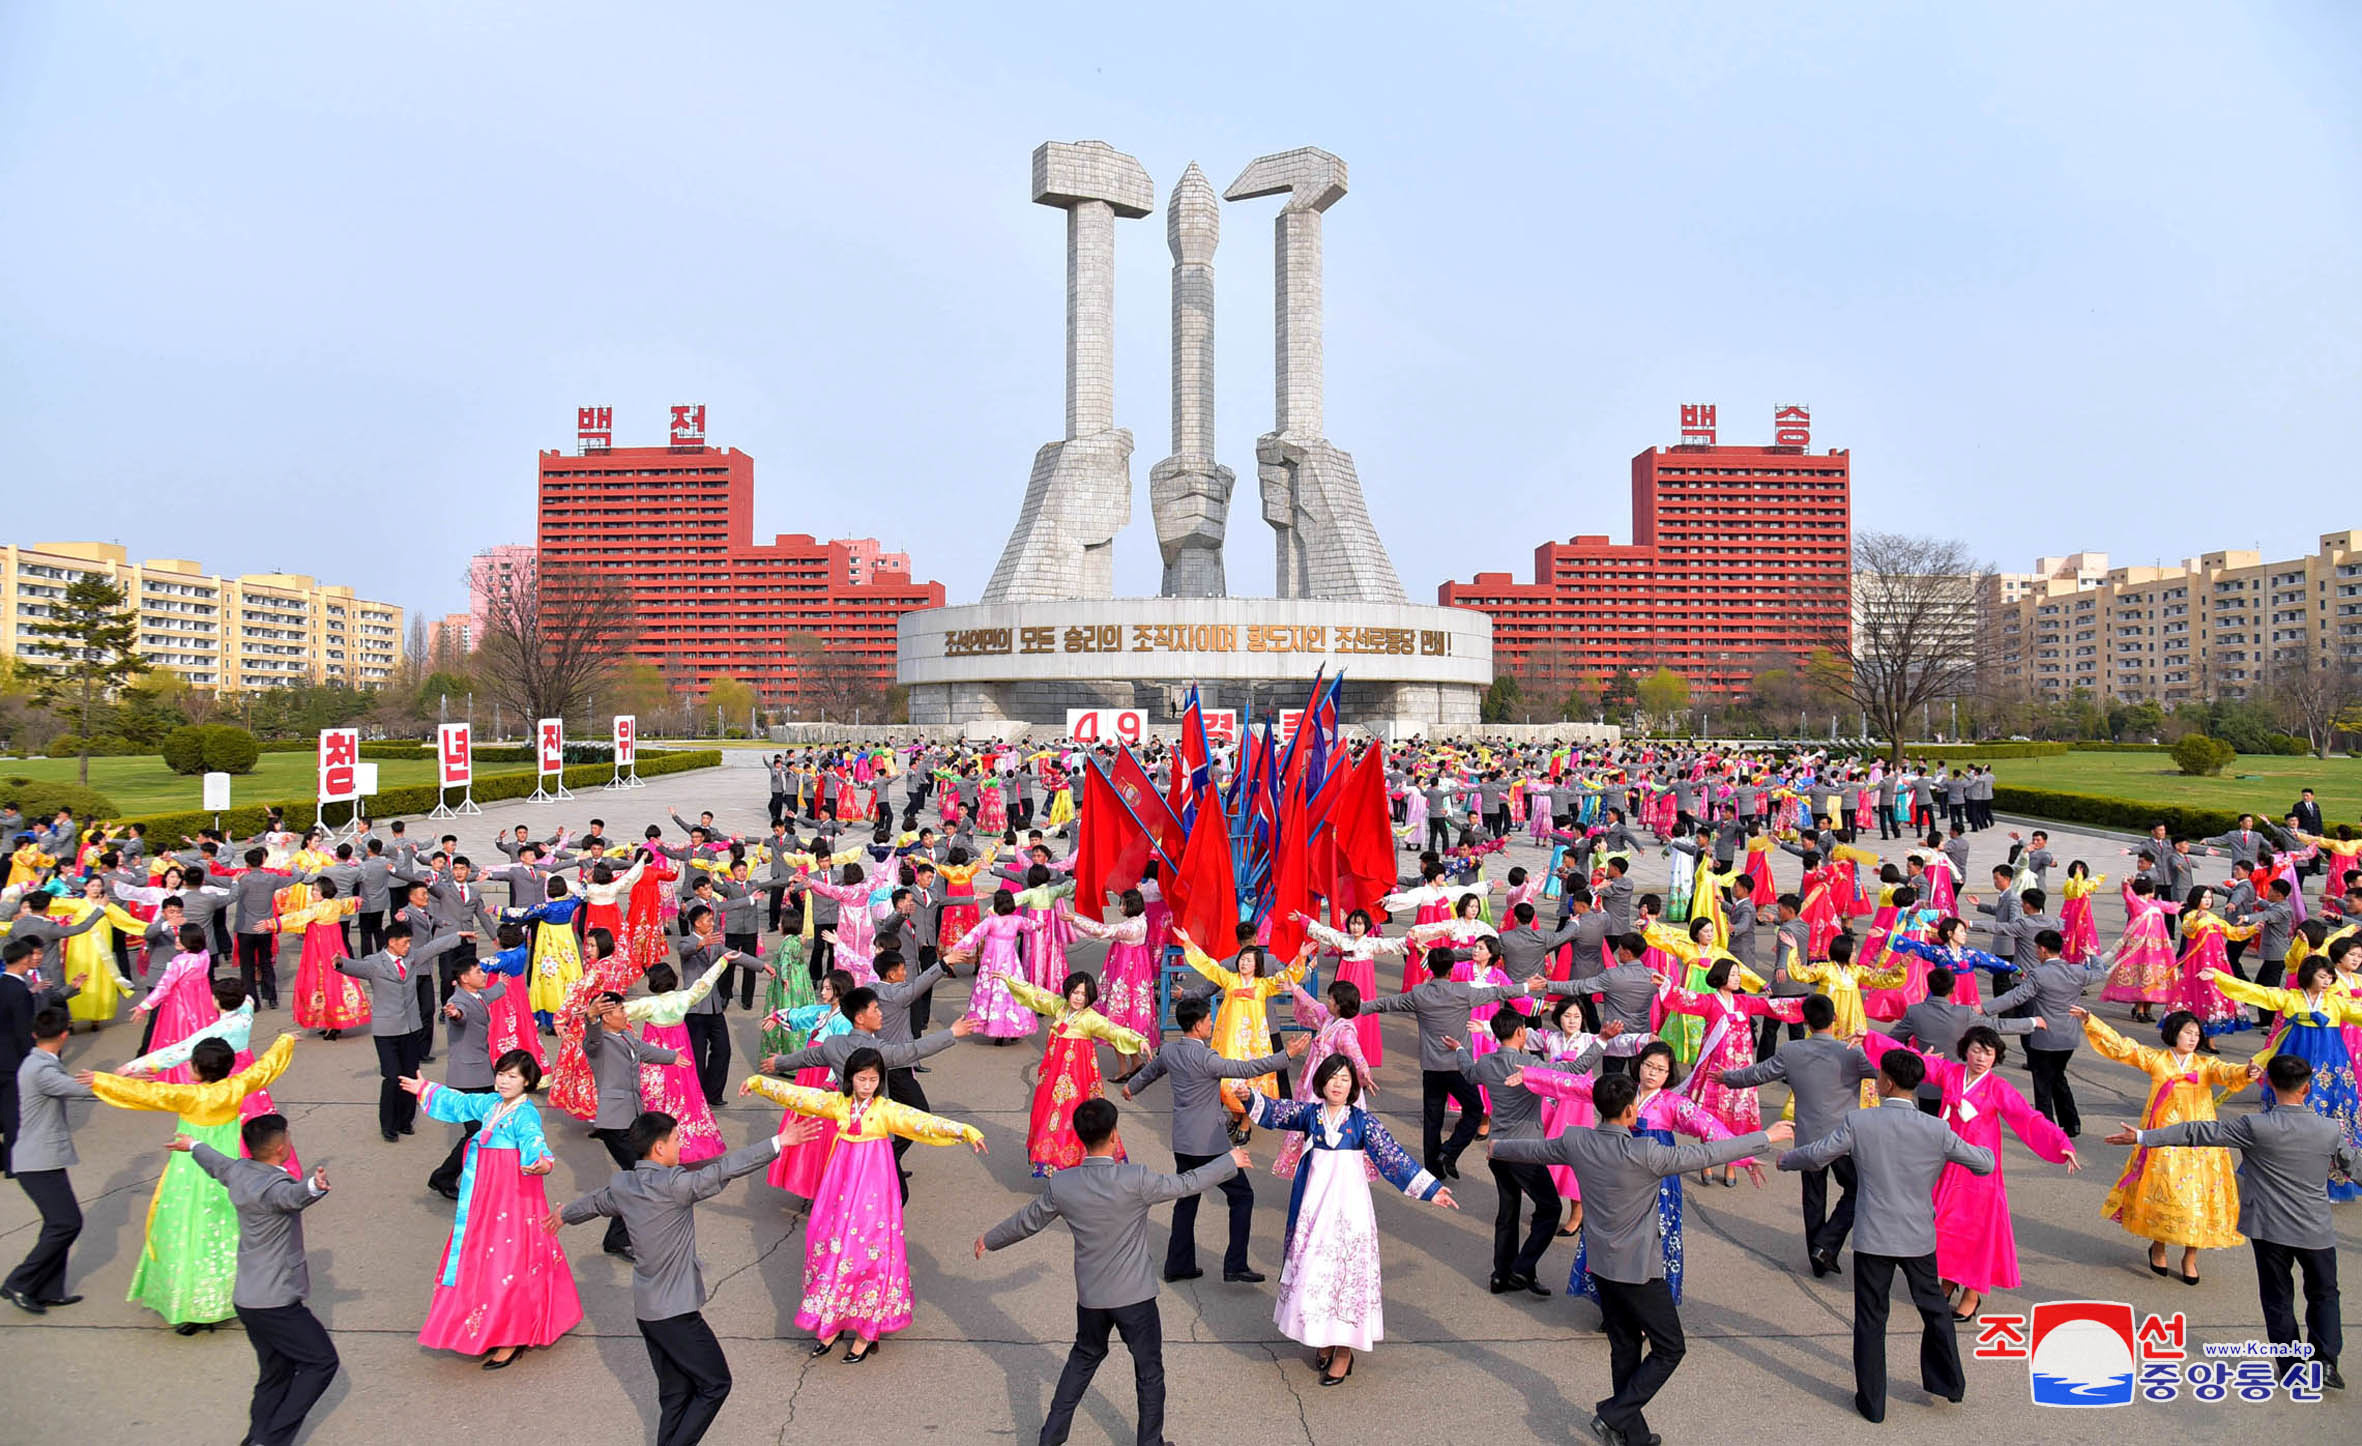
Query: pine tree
x,y
87,649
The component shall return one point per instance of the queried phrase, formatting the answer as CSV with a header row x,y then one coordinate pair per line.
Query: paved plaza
x,y
1768,1345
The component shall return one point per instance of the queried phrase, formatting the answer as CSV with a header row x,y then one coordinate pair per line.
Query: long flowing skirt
x,y
512,1025
2081,933
1069,1076
188,1265
1329,1288
673,1088
2333,1093
513,1286
959,916
2178,1196
996,1011
790,988
325,999
1975,1244
92,967
2217,1014
557,963
799,1168
2145,971
1559,1116
856,1272
1127,987
571,1087
1579,1282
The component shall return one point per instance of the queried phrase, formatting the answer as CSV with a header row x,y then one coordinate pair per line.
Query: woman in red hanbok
x,y
324,999
1069,1072
643,922
607,970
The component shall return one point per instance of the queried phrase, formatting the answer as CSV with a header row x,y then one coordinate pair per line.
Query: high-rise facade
x,y
257,630
676,524
1737,552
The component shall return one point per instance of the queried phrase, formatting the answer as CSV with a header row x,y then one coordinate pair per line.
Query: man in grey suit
x,y
1517,1115
1934,1026
2288,1156
654,1200
1618,1172
1105,1204
615,1055
1824,1074
295,1359
467,1048
1201,1132
1440,1005
394,1023
2052,987
1898,1156
42,1152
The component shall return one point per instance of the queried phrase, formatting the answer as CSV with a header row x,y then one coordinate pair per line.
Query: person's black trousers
x,y
1181,1250
295,1361
2051,1093
9,1119
1887,826
398,1055
1767,1036
1630,1313
1939,1342
1143,1331
778,897
42,1274
617,1237
2274,1263
742,972
1436,1086
2235,950
822,956
778,807
1825,1229
903,1088
922,1007
258,968
446,1176
709,1052
692,1377
429,1011
1511,1183
372,926
2271,972
1439,833
1024,814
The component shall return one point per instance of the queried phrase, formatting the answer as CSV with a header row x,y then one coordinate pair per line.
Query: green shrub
x,y
419,798
2287,745
394,748
2097,747
101,745
43,800
2122,813
230,749
184,750
2199,756
1982,752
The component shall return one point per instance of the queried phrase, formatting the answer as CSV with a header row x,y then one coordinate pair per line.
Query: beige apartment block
x,y
229,634
2220,625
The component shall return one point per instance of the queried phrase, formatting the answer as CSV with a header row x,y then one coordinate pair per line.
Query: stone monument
x,y
1050,635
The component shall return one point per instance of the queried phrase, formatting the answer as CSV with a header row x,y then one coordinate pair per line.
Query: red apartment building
x,y
1736,552
678,521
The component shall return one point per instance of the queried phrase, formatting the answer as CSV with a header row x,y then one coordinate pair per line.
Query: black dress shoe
x,y
1498,1286
1244,1277
23,1302
1190,1274
2330,1378
64,1300
1608,1435
448,1192
410,1129
389,1135
624,1251
1534,1287
1451,1170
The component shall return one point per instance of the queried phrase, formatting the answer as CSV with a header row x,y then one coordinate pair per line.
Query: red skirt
x,y
325,999
1069,1076
799,1167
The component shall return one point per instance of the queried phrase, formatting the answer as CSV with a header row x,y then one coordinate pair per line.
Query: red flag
x,y
1112,849
1291,891
1139,790
1192,760
1204,891
1365,833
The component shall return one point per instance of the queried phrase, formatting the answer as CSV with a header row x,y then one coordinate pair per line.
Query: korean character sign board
x,y
627,752
455,767
340,770
549,747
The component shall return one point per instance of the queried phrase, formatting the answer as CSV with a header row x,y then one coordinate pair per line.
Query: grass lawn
x,y
145,785
2263,785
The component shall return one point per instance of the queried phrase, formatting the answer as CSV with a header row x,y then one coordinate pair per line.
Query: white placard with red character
x,y
455,767
627,752
340,769
549,749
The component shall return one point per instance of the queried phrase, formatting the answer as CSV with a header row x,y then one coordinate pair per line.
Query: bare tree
x,y
2312,695
552,638
837,685
1915,638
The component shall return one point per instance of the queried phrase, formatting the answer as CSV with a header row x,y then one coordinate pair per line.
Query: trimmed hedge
x,y
416,799
41,801
101,745
2120,747
2124,813
1980,752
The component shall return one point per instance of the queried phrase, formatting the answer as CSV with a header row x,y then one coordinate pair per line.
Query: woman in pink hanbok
x,y
1729,1043
1359,948
1127,976
1976,1250
232,1022
856,1262
673,1088
2145,970
503,1285
2076,924
856,931
1334,1032
2203,933
182,999
992,943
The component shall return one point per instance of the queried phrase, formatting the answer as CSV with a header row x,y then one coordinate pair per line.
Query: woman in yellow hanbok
x,y
2188,1198
28,866
90,957
1843,981
1242,1027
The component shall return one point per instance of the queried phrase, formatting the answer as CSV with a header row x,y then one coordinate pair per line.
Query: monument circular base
x,y
1032,661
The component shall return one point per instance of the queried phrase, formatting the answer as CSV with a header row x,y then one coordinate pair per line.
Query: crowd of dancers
x,y
1575,1024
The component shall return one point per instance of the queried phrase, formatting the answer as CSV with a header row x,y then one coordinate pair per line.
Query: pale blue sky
x,y
305,287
